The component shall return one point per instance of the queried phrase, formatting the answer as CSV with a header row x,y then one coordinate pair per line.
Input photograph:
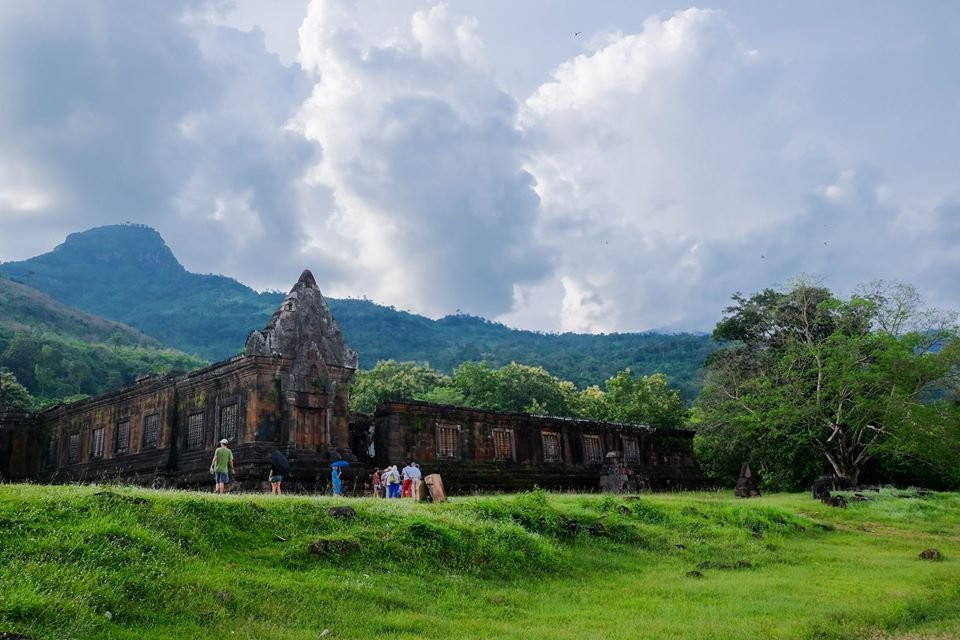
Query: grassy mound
x,y
87,562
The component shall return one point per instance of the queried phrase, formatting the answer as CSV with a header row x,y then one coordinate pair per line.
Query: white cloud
x,y
423,161
671,175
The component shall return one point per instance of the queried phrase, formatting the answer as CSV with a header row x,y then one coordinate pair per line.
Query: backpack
x,y
393,477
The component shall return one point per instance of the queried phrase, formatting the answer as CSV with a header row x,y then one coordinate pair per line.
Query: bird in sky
x,y
577,33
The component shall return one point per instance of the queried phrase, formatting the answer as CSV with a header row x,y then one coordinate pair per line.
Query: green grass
x,y
88,562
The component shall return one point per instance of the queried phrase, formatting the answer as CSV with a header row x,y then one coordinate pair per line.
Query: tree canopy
x,y
808,381
13,395
520,387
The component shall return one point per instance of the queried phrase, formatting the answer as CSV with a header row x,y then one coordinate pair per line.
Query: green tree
x,y
645,399
13,395
628,398
514,387
390,380
808,379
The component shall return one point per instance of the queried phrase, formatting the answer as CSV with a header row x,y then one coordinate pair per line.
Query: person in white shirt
x,y
412,471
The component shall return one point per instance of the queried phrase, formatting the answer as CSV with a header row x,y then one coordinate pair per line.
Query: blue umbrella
x,y
339,463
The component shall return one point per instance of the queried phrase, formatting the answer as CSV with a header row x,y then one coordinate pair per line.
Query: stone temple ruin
x,y
290,391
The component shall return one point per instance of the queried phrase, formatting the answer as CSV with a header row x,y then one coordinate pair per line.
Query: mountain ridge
x,y
127,273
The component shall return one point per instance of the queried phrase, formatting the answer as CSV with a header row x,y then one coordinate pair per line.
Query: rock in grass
x,y
694,574
333,546
931,554
345,513
8,635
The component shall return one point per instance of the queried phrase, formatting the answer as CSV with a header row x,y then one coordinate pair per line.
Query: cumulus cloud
x,y
432,205
671,174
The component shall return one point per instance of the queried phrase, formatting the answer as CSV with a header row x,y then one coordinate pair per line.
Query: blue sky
x,y
603,166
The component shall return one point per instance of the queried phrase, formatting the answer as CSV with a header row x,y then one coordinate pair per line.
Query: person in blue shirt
x,y
335,479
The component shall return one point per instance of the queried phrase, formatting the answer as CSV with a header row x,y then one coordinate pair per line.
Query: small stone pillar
x,y
435,485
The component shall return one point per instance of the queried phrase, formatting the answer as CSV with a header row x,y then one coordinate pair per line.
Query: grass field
x,y
115,562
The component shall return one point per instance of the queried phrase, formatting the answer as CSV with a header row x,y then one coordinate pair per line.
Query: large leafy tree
x,y
809,380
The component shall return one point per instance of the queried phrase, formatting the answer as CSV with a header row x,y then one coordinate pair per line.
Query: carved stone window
x,y
73,448
447,437
592,450
503,444
229,420
631,450
96,443
121,437
551,446
195,431
151,431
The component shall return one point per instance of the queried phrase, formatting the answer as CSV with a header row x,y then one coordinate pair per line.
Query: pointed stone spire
x,y
303,329
307,279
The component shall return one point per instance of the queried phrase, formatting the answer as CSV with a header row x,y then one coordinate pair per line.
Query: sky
x,y
553,165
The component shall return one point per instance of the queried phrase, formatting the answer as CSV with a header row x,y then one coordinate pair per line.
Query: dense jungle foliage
x,y
127,273
56,368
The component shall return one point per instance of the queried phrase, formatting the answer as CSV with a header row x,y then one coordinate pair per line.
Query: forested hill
x,y
128,274
23,308
379,333
58,352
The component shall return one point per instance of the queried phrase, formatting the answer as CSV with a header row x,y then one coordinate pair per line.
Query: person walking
x,y
375,480
222,466
335,480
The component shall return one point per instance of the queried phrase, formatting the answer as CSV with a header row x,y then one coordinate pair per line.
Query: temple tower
x,y
316,384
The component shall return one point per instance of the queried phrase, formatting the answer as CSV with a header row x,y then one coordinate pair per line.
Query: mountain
x,y
128,274
56,351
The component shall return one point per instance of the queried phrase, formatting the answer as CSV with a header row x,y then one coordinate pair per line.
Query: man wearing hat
x,y
222,461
